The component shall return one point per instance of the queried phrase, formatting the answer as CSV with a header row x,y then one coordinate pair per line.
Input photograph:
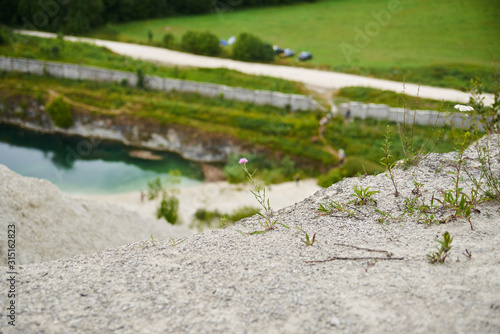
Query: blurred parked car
x,y
278,50
283,52
303,56
288,53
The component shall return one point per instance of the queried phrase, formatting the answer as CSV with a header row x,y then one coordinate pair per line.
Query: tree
x,y
83,15
8,14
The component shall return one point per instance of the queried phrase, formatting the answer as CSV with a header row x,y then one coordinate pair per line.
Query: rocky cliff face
x,y
192,144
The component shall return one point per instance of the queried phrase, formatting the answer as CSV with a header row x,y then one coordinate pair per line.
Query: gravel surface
x,y
226,281
313,78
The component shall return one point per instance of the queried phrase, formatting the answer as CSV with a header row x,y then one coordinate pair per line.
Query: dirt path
x,y
312,77
85,106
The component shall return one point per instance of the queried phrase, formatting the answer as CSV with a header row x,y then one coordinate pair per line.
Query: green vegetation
x,y
202,43
273,132
270,171
352,167
169,41
440,43
259,192
216,219
87,54
4,35
442,252
60,113
250,48
167,193
392,99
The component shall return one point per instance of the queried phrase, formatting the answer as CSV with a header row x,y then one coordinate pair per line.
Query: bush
x,y
202,43
167,191
250,48
60,113
169,41
168,209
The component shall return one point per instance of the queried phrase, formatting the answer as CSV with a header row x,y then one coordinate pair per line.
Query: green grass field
x,y
440,43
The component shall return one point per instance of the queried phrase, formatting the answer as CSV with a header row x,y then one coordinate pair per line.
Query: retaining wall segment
x,y
79,72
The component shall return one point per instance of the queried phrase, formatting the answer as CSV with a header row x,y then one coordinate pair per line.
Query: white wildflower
x,y
463,108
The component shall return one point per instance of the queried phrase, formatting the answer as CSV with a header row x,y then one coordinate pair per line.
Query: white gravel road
x,y
315,78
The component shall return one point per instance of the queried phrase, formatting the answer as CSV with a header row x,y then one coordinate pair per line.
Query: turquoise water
x,y
82,166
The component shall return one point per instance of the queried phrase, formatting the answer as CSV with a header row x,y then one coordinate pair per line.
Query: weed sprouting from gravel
x,y
363,195
259,193
442,252
387,160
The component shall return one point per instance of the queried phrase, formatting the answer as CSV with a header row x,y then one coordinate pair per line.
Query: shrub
x,y
202,43
169,41
167,191
251,48
168,209
60,113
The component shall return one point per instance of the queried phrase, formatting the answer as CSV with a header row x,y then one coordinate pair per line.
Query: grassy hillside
x,y
271,131
440,43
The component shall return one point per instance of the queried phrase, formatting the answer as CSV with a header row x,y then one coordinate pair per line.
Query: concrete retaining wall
x,y
422,117
70,71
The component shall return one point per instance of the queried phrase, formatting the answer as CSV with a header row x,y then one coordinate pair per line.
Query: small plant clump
x,y
387,160
308,241
216,219
442,252
169,203
364,195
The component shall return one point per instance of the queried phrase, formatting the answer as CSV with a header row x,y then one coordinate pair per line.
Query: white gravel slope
x,y
314,78
227,282
52,225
